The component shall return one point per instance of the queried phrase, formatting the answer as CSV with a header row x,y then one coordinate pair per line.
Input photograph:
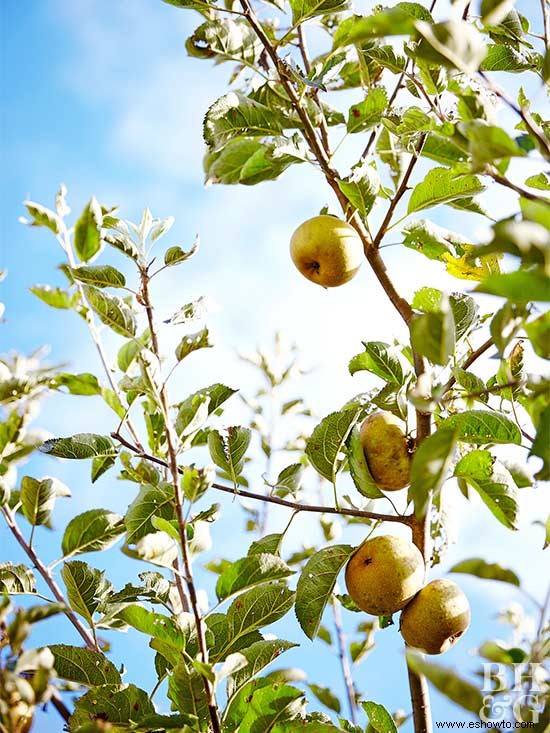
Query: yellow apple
x,y
436,618
386,450
326,250
384,573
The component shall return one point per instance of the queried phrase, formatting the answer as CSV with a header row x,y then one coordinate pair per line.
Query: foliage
x,y
424,95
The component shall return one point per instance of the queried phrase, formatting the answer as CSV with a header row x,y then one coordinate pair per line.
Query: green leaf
x,y
151,501
483,569
270,706
16,578
481,427
81,445
175,255
235,115
122,242
454,44
326,696
127,706
324,447
398,21
288,480
156,721
520,286
448,682
383,360
433,334
102,276
361,188
54,297
440,186
156,625
305,9
250,571
430,465
77,384
228,449
470,382
186,691
87,232
84,666
489,143
43,217
96,529
502,57
257,656
38,499
226,39
193,342
316,584
494,484
100,465
86,587
217,394
498,652
465,313
432,240
368,113
111,310
358,467
379,718
157,548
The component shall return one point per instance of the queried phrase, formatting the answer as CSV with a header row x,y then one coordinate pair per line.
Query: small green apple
x,y
326,250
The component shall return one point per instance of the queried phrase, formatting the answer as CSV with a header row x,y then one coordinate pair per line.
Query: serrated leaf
x,y
305,9
84,666
250,571
494,484
87,232
455,44
124,244
54,297
465,313
433,334
471,383
193,342
481,426
96,529
234,115
151,501
186,691
77,384
326,697
483,569
432,240
175,255
16,578
228,448
101,276
81,445
37,499
194,311
156,625
100,465
43,217
256,657
361,188
157,548
359,468
386,361
325,446
367,113
440,186
457,689
272,705
258,607
316,584
86,587
379,718
288,480
430,464
399,20
111,310
127,707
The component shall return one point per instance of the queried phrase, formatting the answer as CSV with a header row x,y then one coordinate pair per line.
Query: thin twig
x,y
523,192
171,441
48,579
545,23
473,357
402,518
323,128
344,662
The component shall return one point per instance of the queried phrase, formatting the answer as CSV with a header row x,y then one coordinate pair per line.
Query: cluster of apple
x,y
386,573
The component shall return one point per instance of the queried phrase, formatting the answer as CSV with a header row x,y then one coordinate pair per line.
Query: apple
x,y
326,250
386,450
384,574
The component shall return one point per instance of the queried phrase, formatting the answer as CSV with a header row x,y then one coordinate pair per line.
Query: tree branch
x,y
48,579
295,506
172,465
474,356
344,663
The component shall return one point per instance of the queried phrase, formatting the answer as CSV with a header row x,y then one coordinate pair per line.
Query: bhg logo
x,y
512,691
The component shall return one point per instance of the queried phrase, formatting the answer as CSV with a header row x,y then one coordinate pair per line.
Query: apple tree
x,y
442,111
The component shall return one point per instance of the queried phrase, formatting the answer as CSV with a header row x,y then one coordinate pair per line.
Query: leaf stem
x,y
48,579
172,465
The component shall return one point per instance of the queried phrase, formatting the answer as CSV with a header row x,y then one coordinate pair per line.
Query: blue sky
x,y
102,96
